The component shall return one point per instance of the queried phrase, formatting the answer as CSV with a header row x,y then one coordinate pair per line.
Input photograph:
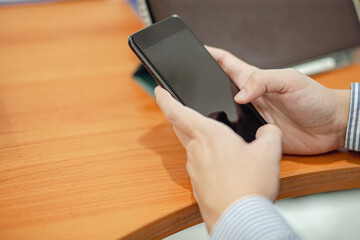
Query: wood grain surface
x,y
85,153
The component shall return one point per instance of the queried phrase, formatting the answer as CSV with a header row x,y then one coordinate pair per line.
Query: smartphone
x,y
180,63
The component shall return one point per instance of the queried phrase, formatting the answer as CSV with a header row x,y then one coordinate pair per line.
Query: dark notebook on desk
x,y
268,34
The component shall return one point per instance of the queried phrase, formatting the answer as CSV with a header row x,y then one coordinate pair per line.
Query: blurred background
x,y
62,81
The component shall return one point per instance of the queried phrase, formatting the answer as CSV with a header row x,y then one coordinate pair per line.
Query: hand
x,y
313,118
221,165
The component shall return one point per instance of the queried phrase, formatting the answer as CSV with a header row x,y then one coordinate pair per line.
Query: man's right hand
x,y
313,118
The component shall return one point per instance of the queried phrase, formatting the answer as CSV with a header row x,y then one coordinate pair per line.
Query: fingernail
x,y
241,95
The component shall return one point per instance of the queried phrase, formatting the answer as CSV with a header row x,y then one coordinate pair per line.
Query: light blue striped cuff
x,y
353,128
250,218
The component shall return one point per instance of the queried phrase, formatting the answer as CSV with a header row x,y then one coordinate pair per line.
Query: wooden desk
x,y
85,153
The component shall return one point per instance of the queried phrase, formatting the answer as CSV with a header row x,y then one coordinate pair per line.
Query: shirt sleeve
x,y
253,217
353,128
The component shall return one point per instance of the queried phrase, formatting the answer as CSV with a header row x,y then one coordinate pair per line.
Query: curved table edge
x,y
290,186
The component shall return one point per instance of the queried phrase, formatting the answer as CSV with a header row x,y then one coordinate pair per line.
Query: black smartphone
x,y
180,63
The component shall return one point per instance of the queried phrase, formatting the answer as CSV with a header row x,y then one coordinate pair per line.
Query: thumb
x,y
270,136
265,81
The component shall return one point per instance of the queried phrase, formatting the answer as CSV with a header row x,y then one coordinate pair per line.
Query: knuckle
x,y
276,133
292,71
171,117
255,78
191,147
204,131
208,137
272,127
270,133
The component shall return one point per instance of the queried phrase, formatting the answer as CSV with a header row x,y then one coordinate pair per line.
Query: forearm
x,y
253,217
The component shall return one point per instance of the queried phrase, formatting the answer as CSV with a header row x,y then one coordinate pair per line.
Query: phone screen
x,y
192,73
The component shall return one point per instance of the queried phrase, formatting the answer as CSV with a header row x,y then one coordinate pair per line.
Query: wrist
x,y
343,107
212,214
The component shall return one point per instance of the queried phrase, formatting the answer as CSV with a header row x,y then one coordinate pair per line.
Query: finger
x,y
231,64
265,81
270,137
187,120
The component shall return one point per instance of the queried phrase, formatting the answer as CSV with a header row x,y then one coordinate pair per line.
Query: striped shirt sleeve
x,y
353,129
251,218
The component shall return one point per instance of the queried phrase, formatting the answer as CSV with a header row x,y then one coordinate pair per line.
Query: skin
x,y
304,117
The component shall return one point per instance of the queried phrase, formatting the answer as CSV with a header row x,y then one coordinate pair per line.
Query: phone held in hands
x,y
180,63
